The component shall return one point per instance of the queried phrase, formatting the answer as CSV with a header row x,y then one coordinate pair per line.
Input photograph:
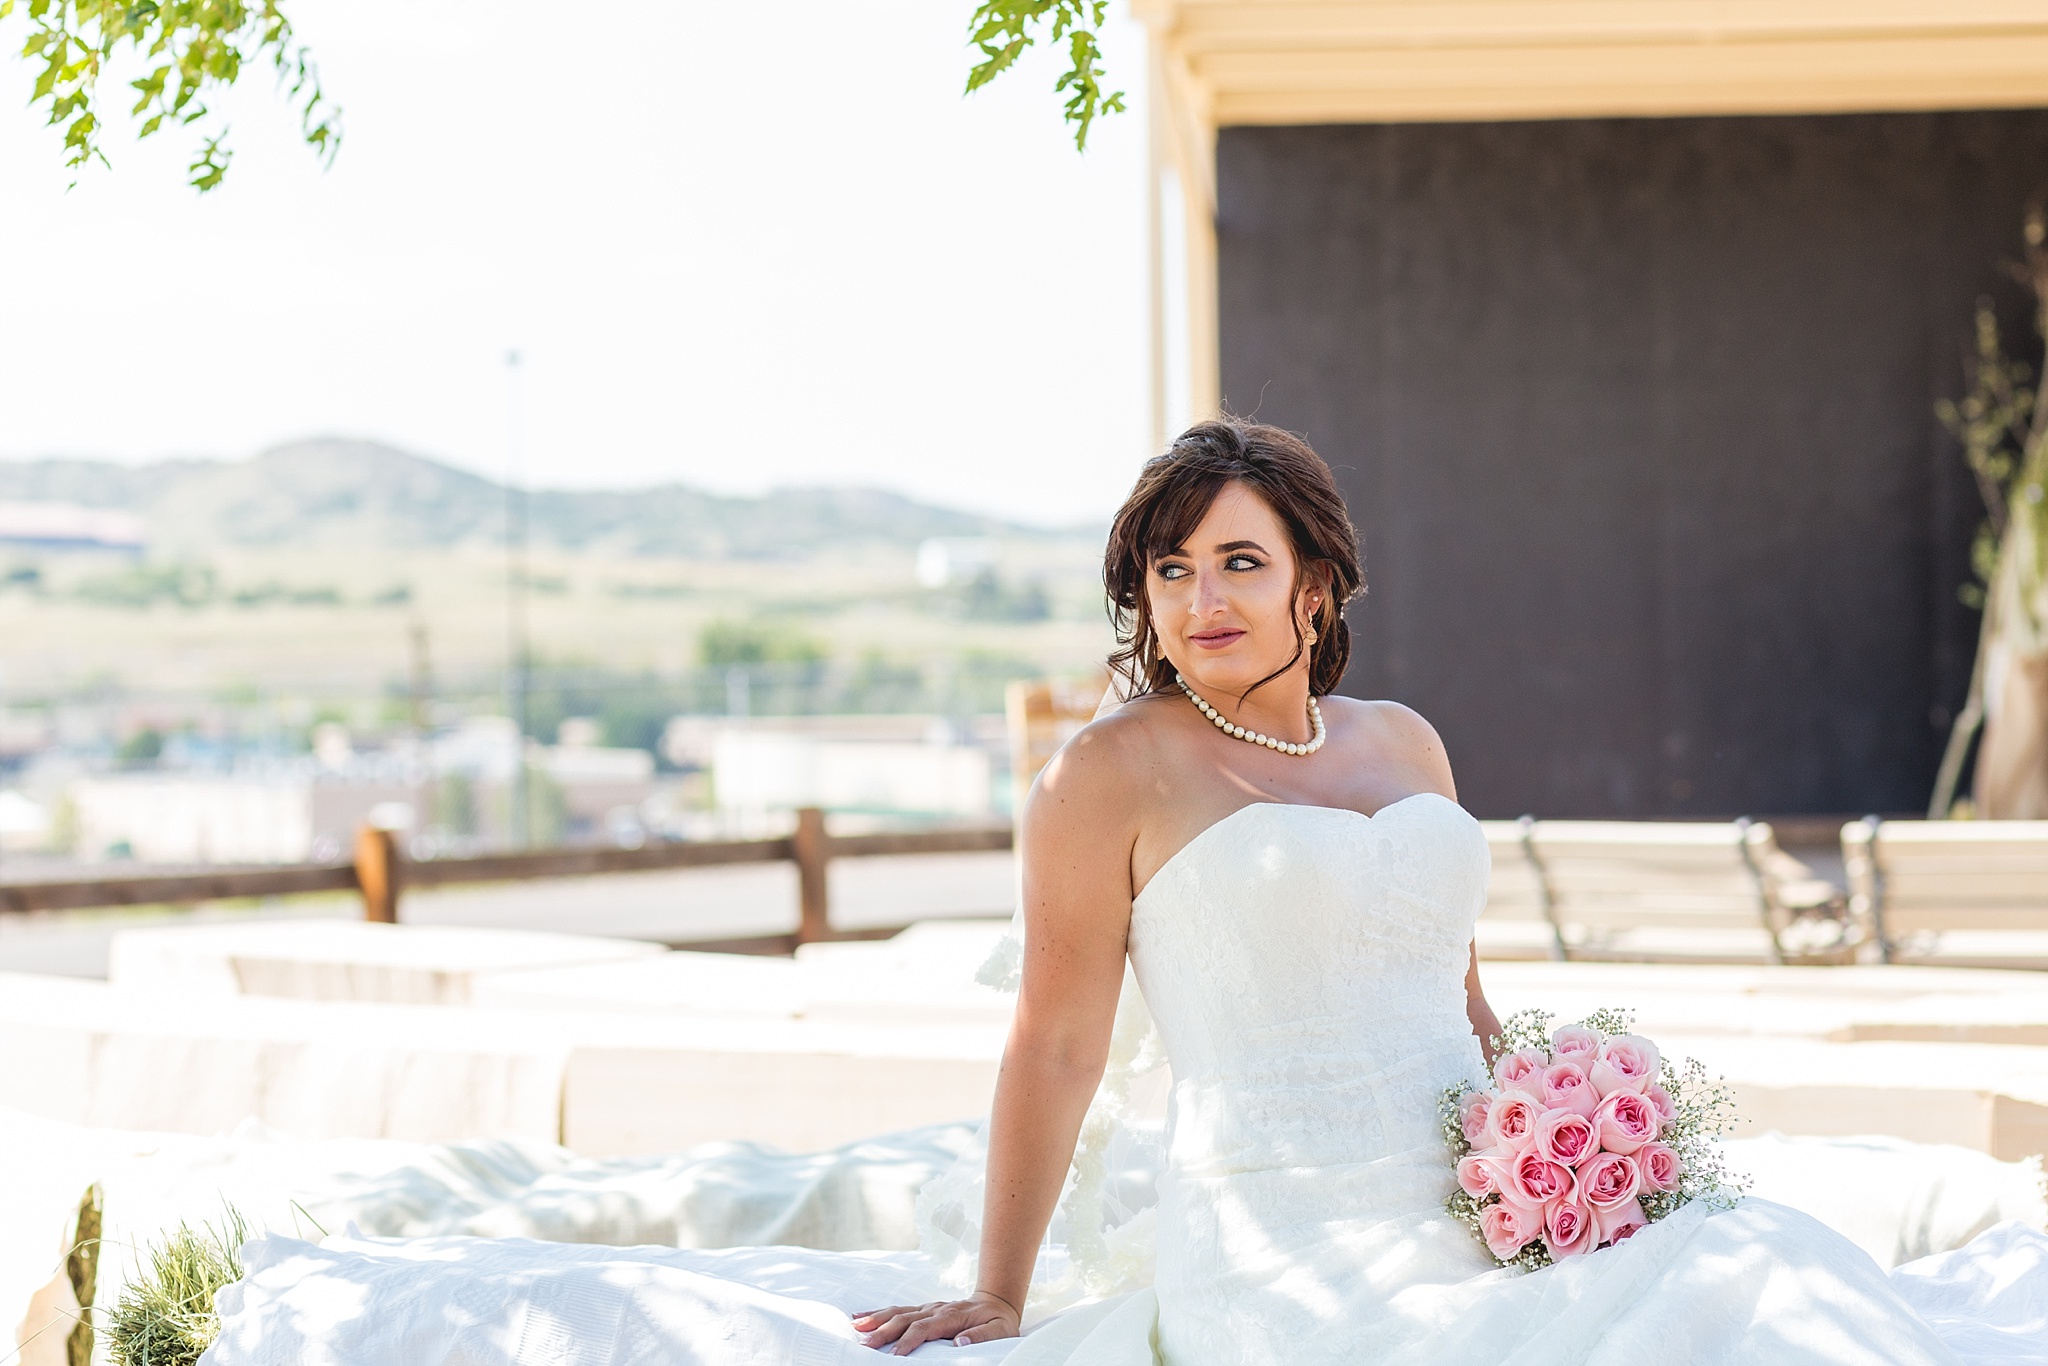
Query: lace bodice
x,y
1306,965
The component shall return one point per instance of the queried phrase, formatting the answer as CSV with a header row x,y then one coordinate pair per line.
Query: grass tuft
x,y
167,1317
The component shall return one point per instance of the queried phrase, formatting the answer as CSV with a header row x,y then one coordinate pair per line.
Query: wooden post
x,y
379,873
814,923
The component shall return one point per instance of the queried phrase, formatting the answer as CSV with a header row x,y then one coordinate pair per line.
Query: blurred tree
x,y
187,49
143,585
1991,424
141,749
2003,428
987,598
452,805
878,683
723,642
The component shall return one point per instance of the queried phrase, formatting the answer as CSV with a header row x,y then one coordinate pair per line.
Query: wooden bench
x,y
1654,891
1516,924
1959,893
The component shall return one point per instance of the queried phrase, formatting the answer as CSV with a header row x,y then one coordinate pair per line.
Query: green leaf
x,y
197,46
1001,29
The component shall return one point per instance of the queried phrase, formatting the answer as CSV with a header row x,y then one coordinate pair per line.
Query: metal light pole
x,y
518,663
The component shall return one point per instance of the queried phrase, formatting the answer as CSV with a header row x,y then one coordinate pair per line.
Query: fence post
x,y
814,922
379,874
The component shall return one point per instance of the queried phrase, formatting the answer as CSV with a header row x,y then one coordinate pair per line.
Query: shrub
x,y
167,1318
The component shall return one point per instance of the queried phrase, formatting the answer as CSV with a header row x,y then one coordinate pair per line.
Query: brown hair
x,y
1173,494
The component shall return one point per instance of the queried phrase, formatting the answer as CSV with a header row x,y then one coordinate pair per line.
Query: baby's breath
x,y
1607,1022
1706,1112
1523,1029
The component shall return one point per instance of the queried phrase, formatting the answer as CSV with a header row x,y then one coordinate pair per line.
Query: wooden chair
x,y
1957,893
1649,891
1043,714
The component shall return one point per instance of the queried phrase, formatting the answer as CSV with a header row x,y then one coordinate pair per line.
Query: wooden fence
x,y
381,873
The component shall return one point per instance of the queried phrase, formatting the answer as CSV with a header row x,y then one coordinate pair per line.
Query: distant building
x,y
24,823
66,526
944,561
602,787
1622,327
691,742
23,733
880,764
191,818
457,794
762,770
578,789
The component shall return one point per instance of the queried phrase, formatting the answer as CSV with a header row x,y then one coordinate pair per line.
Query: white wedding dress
x,y
1305,966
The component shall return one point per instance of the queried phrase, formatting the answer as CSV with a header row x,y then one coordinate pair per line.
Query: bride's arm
x,y
1075,846
1485,1023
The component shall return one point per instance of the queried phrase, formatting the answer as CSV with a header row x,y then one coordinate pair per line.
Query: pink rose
x,y
1627,1062
1512,1070
1508,1227
1660,1101
1609,1179
1480,1176
1576,1043
1625,1122
1565,1087
1472,1108
1614,1225
1564,1136
1509,1121
1533,1179
1569,1229
1661,1167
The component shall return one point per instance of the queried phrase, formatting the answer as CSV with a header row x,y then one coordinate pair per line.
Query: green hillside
x,y
339,493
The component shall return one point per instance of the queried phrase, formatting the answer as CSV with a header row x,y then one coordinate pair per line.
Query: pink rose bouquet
x,y
1582,1136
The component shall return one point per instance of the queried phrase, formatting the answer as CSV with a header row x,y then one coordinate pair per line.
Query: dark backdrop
x,y
1636,419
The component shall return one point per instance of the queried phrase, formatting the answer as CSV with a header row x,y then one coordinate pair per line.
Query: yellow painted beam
x,y
1286,61
1233,25
1581,81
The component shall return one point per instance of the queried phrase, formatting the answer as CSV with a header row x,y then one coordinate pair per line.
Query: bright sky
x,y
738,245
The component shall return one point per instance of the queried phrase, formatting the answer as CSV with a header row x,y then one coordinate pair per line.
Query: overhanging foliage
x,y
194,48
190,49
1002,29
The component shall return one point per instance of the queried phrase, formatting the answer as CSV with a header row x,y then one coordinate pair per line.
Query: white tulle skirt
x,y
1759,1285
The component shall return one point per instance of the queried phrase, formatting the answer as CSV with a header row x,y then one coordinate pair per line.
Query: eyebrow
x,y
1223,549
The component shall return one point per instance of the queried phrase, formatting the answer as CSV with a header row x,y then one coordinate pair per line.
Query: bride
x,y
1291,880
1295,887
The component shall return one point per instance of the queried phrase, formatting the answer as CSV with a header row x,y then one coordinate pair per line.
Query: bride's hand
x,y
981,1317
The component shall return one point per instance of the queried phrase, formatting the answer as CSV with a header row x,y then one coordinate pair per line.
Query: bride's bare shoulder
x,y
1391,720
1388,735
1098,777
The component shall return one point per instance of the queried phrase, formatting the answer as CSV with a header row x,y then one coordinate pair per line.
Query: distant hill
x,y
337,492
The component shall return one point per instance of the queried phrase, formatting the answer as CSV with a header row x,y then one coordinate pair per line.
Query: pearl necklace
x,y
1252,737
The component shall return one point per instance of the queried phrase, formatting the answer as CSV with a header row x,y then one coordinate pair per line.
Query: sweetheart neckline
x,y
1206,830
